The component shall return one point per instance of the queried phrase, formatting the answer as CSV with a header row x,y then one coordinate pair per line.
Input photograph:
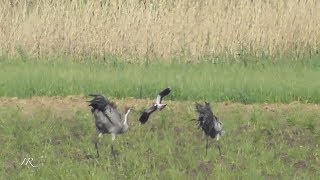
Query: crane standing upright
x,y
107,118
210,124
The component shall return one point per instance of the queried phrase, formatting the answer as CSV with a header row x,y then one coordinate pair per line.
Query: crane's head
x,y
127,110
161,106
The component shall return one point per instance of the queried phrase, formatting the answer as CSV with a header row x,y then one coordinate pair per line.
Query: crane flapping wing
x,y
107,108
162,94
145,115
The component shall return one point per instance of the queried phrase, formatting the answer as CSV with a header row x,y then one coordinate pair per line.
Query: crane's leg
x,y
207,145
217,138
96,144
219,149
113,152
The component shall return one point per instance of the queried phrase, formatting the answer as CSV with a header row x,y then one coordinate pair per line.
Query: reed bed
x,y
162,28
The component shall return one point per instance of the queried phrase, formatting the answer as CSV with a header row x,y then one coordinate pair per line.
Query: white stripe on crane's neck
x,y
126,116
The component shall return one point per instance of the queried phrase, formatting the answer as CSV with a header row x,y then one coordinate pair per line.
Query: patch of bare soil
x,y
10,166
61,105
205,167
301,164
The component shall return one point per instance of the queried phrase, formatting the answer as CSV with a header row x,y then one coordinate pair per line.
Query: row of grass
x,y
246,81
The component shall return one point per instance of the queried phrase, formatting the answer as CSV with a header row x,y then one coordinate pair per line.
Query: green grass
x,y
258,144
248,81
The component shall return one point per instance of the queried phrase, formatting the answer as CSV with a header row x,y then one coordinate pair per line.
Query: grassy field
x,y
246,82
266,141
162,28
257,62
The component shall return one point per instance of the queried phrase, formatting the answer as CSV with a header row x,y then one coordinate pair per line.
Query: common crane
x,y
107,118
210,124
157,105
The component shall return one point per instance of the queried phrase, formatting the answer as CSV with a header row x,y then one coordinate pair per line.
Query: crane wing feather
x,y
210,123
113,116
162,94
145,115
105,112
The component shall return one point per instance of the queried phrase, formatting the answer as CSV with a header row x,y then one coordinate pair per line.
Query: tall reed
x,y
162,28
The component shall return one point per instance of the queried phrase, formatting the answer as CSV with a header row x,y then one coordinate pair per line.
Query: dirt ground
x,y
76,103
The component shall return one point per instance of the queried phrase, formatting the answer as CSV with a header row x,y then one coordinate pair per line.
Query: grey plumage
x,y
107,118
210,124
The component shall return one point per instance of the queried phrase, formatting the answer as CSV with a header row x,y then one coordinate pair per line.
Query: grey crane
x,y
107,118
157,105
210,124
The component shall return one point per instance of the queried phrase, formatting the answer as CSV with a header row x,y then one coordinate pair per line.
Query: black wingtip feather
x,y
165,92
144,118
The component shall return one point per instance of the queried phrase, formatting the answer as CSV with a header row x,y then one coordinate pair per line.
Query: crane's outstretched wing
x,y
162,94
145,115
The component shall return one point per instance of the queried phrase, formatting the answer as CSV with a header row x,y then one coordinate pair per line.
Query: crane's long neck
x,y
126,117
